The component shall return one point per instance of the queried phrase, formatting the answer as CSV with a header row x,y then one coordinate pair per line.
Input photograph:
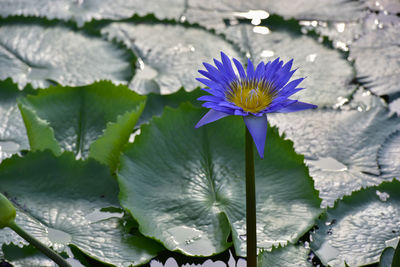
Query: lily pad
x,y
27,256
340,146
168,55
156,103
376,60
289,256
186,187
386,257
94,120
344,33
359,227
213,14
57,200
13,137
42,55
389,156
390,6
84,11
327,73
395,106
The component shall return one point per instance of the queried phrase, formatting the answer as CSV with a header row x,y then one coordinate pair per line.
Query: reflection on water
x,y
383,196
328,164
9,147
255,15
327,253
195,242
58,236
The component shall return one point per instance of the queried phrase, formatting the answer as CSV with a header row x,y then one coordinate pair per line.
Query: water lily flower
x,y
251,94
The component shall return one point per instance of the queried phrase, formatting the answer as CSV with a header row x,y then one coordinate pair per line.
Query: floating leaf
x,y
376,60
328,73
389,156
391,6
343,34
83,11
186,186
13,136
156,103
169,55
94,120
26,256
60,202
213,14
386,257
289,256
340,146
359,227
395,106
42,55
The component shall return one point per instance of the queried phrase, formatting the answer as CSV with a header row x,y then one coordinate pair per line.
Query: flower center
x,y
251,95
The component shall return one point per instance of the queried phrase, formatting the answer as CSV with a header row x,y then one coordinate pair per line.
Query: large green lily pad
x,y
84,11
340,146
389,156
344,33
359,227
289,256
186,187
376,60
44,55
168,55
216,14
156,103
327,73
60,202
13,137
391,6
94,120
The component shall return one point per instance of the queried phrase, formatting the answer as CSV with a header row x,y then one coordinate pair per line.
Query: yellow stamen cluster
x,y
251,95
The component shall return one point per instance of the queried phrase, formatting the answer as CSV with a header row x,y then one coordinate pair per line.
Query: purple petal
x,y
210,98
211,116
240,112
257,127
217,107
290,86
211,84
259,70
229,105
209,75
250,69
214,92
273,67
219,65
228,66
284,78
297,106
280,105
289,93
240,69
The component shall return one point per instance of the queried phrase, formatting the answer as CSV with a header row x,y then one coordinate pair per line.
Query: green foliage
x,y
367,219
186,187
288,256
59,201
91,121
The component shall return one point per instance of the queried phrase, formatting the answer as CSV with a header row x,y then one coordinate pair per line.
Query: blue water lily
x,y
251,94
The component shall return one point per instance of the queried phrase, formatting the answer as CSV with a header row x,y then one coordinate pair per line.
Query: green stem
x,y
44,249
251,235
